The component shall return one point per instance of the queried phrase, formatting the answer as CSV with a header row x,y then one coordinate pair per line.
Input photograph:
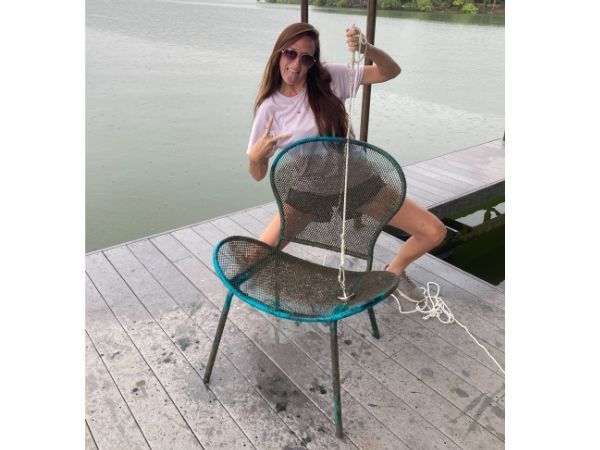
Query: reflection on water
x,y
171,84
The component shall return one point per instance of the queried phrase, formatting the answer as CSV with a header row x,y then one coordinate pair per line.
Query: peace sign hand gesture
x,y
263,148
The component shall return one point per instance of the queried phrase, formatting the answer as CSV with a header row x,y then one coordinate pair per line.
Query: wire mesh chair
x,y
307,178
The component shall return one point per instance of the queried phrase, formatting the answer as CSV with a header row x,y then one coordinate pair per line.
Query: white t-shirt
x,y
293,114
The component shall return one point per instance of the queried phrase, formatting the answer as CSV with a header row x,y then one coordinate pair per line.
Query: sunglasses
x,y
306,59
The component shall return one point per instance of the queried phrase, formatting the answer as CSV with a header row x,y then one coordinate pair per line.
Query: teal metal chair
x,y
308,180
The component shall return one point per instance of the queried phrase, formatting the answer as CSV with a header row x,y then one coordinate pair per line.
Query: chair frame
x,y
337,406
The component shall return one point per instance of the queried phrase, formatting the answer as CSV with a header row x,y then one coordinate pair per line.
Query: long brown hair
x,y
329,111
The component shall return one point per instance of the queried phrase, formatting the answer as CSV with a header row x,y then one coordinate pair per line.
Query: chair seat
x,y
289,287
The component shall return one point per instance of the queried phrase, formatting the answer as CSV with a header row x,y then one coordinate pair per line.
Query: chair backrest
x,y
307,178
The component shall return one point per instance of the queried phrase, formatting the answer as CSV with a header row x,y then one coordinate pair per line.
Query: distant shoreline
x,y
430,6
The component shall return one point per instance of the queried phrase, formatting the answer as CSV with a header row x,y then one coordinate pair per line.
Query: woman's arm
x,y
384,68
261,151
257,167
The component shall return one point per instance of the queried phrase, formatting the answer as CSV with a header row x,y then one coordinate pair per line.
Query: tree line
x,y
465,6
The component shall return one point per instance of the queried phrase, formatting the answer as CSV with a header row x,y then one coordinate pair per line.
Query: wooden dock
x,y
457,181
152,307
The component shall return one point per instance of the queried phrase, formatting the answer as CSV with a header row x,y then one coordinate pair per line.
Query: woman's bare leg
x,y
426,231
296,222
271,233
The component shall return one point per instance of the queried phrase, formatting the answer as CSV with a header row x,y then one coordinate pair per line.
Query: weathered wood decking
x,y
457,181
151,312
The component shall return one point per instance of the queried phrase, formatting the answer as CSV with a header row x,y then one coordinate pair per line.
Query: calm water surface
x,y
171,84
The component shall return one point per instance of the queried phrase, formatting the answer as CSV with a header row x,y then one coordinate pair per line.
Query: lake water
x,y
170,87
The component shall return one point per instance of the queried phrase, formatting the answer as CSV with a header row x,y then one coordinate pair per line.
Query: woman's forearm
x,y
258,167
385,63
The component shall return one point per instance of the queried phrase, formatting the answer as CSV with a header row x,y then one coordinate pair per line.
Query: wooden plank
x,y
444,177
229,227
364,391
197,246
250,412
271,208
464,170
106,411
259,372
421,196
422,184
90,444
376,379
490,167
445,184
180,381
262,215
455,390
462,384
208,229
361,427
460,428
159,420
471,165
244,219
430,167
419,200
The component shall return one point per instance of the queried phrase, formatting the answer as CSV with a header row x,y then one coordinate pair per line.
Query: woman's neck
x,y
291,91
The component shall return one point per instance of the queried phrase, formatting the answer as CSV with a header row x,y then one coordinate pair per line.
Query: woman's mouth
x,y
293,75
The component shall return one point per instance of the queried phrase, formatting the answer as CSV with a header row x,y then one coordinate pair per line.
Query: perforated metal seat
x,y
308,180
292,288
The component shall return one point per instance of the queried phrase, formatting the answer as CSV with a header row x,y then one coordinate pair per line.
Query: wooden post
x,y
366,99
304,11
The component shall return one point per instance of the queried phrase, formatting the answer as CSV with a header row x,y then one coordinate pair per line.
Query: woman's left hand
x,y
353,37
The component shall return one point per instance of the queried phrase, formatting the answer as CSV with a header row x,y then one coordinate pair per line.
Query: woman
x,y
300,97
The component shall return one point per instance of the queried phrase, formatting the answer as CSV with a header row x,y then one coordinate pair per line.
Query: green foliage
x,y
458,2
469,8
389,4
424,5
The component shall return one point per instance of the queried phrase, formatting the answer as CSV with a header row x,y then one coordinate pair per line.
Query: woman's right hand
x,y
262,150
264,147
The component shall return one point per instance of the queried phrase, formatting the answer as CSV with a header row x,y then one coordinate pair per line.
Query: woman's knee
x,y
436,232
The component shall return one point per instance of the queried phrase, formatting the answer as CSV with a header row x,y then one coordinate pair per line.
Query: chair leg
x,y
335,371
215,346
375,330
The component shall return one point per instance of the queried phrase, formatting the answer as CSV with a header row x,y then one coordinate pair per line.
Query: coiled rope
x,y
433,305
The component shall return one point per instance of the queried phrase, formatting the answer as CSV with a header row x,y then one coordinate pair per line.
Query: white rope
x,y
433,305
354,63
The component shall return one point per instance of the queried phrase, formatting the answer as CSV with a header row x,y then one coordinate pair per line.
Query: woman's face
x,y
293,72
